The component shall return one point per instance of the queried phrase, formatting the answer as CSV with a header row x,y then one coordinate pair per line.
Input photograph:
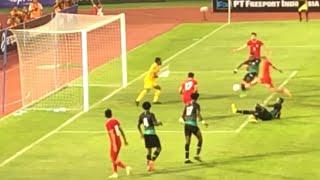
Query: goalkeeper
x,y
150,82
261,112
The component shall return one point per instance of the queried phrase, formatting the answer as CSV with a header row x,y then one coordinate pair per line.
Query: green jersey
x,y
148,120
190,114
253,65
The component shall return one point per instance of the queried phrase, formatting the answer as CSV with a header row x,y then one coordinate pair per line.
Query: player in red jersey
x,y
114,130
254,46
266,77
188,87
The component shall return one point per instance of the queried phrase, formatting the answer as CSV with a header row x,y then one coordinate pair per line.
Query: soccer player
x,y
303,7
261,112
251,77
151,140
97,8
191,114
114,130
150,82
266,78
254,46
188,87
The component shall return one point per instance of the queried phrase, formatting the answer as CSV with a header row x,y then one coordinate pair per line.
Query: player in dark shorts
x,y
303,7
251,77
149,135
191,114
261,112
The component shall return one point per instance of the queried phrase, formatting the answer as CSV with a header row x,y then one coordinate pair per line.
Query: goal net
x,y
72,61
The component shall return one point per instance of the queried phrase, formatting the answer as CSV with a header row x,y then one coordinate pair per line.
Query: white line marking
x,y
294,73
69,121
136,131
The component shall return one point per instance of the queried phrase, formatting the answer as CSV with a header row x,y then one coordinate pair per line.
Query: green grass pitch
x,y
284,149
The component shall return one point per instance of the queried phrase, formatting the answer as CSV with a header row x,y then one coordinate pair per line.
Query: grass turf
x,y
284,149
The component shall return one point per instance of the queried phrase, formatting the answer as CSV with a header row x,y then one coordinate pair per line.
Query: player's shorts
x,y
151,141
267,81
186,98
250,77
150,83
189,130
114,154
303,7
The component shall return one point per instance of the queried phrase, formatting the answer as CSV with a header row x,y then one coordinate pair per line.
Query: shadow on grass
x,y
223,165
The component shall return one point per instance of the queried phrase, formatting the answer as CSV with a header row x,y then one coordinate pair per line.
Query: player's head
x,y
146,105
258,108
253,36
280,100
190,75
195,96
108,113
158,60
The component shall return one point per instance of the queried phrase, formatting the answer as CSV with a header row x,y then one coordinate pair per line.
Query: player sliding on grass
x,y
114,130
151,140
254,46
266,78
188,87
261,112
251,77
150,82
191,114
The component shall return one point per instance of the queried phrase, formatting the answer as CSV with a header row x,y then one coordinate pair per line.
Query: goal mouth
x,y
67,59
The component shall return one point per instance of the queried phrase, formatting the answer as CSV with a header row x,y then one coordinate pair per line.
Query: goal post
x,y
72,62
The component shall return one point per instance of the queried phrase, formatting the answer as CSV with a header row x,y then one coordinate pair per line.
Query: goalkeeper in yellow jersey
x,y
150,82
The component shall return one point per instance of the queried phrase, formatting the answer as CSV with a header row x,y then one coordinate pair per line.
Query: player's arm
x,y
123,136
240,48
275,68
239,66
181,89
139,126
200,116
182,118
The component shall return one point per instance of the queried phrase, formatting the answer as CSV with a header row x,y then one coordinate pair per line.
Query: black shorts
x,y
189,130
152,141
250,77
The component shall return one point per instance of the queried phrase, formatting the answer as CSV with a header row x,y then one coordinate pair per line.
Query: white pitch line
x,y
136,131
294,73
69,121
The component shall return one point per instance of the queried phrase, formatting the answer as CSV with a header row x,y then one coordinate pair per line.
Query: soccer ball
x,y
236,87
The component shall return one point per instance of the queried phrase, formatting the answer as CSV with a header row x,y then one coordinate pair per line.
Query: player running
x,y
254,46
150,82
114,130
261,112
151,140
303,7
251,77
266,77
188,87
191,114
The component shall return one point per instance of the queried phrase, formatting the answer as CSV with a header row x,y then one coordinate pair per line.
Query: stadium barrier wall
x,y
263,5
119,1
21,3
8,45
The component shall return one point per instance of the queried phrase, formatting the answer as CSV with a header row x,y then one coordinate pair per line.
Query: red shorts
x,y
186,98
114,154
266,80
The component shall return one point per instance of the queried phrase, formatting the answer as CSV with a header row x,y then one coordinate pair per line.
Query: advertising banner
x,y
264,5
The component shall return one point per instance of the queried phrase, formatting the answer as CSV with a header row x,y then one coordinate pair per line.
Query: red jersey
x,y
255,47
94,10
266,68
189,86
112,126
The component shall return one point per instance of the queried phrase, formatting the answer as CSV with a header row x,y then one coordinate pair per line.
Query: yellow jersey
x,y
153,72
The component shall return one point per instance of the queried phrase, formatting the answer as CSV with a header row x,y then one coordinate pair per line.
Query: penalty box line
x,y
76,116
266,101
